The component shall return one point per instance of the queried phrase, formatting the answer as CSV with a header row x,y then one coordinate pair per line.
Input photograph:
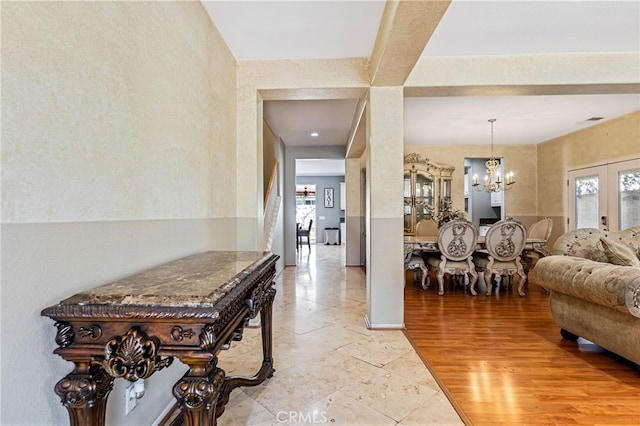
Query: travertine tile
x,y
390,394
411,367
378,350
335,336
290,390
242,410
331,369
340,408
436,411
341,369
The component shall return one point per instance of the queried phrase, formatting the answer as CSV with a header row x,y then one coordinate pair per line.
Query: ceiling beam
x,y
405,29
523,90
356,143
312,93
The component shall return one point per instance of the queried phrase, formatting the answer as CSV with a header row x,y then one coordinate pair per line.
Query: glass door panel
x,y
423,213
629,199
446,193
587,201
624,200
407,186
408,203
587,190
425,191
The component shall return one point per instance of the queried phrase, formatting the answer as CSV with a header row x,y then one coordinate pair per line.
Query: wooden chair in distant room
x,y
304,233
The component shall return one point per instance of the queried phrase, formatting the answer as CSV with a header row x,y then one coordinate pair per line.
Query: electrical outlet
x,y
130,400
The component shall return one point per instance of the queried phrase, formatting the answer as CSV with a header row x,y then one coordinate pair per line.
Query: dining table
x,y
429,243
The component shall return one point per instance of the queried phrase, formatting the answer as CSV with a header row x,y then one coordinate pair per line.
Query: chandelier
x,y
492,180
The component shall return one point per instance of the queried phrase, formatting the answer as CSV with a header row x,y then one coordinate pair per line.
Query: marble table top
x,y
198,281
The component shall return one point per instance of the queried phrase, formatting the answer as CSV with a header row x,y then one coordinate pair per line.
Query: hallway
x,y
329,367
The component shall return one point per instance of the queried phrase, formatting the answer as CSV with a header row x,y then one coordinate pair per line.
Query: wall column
x,y
249,170
354,214
384,242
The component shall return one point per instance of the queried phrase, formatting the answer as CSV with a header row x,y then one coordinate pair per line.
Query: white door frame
x,y
607,175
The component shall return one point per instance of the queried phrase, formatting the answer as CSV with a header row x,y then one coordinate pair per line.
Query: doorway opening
x,y
483,208
306,208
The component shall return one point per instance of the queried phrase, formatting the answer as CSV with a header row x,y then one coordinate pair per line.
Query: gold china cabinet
x,y
427,190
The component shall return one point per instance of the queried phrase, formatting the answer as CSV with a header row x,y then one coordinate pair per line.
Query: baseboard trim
x,y
372,326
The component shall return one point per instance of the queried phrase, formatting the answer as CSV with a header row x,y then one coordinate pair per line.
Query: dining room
x,y
462,242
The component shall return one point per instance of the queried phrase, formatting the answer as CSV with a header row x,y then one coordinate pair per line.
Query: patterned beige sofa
x,y
592,294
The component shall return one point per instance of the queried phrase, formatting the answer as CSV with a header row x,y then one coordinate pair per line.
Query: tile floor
x,y
329,367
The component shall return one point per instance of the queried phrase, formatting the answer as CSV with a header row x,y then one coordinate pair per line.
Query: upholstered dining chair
x,y
457,240
304,233
540,230
504,243
413,261
427,227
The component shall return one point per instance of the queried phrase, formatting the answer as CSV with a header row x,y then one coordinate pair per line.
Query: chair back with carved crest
x,y
457,239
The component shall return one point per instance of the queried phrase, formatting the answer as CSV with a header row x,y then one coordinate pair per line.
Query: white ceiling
x,y
294,121
319,167
519,119
338,29
536,27
298,29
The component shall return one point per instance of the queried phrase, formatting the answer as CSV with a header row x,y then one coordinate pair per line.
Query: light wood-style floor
x,y
501,360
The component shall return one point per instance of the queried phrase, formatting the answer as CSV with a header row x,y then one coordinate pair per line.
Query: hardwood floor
x,y
501,360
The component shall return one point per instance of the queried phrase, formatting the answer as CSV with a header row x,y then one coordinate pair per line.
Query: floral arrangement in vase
x,y
448,214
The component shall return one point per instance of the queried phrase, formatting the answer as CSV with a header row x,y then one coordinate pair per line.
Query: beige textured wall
x,y
612,140
118,153
541,188
354,212
520,201
109,116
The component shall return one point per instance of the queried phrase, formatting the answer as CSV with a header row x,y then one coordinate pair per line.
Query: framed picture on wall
x,y
328,197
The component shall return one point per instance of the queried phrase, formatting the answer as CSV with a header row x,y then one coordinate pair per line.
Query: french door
x,y
605,197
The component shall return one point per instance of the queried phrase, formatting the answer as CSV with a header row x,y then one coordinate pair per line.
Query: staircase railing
x,y
271,207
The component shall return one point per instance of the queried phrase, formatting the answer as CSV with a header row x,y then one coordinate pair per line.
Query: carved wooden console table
x,y
189,309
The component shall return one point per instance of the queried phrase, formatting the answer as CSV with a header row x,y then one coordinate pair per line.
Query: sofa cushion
x,y
585,242
619,254
582,242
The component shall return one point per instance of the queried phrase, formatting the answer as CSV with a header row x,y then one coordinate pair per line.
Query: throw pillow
x,y
618,253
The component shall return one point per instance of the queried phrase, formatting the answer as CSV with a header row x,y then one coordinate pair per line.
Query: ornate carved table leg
x,y
198,391
84,392
266,370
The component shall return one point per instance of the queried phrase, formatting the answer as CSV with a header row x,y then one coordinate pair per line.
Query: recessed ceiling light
x,y
595,118
314,134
